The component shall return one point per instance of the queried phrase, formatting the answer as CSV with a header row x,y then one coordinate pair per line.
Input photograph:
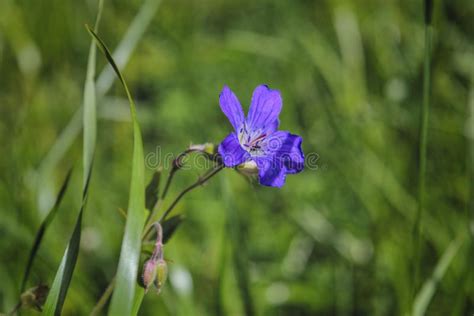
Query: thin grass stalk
x,y
423,142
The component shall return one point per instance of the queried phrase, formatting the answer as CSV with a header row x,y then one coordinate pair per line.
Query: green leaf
x,y
424,296
137,301
103,84
123,296
62,280
235,226
57,294
42,229
151,195
90,108
170,225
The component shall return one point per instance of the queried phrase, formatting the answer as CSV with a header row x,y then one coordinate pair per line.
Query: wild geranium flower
x,y
256,140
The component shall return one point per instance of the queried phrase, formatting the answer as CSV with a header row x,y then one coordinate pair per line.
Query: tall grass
x,y
423,142
376,228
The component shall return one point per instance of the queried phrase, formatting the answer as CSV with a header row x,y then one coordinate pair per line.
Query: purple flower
x,y
256,140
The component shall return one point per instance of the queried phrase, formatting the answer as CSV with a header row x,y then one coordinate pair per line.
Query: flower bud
x,y
161,275
248,168
149,273
207,148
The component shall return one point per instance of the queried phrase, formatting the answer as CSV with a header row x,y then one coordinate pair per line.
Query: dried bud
x,y
34,297
161,275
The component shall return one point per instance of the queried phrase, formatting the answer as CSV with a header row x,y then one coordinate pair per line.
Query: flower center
x,y
252,141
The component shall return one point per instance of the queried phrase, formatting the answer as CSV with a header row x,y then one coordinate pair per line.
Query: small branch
x,y
178,162
199,182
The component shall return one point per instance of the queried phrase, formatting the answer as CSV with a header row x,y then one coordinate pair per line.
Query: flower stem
x,y
108,291
199,182
175,167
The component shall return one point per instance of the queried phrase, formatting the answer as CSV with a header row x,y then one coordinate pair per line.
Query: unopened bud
x,y
149,273
207,148
155,270
161,275
248,168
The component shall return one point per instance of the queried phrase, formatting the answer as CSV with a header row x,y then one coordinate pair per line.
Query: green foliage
x,y
42,230
57,294
127,271
335,240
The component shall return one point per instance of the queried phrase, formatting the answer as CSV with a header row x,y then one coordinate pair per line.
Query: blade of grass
x,y
137,301
127,45
62,280
151,192
90,108
170,225
418,229
126,283
169,228
219,306
424,296
42,229
103,84
60,286
239,250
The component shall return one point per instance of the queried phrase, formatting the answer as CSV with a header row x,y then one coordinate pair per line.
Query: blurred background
x,y
335,240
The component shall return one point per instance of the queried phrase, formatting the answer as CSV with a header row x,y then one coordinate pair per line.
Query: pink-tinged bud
x,y
155,270
161,275
149,273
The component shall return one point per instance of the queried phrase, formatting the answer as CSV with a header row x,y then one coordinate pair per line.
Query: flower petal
x,y
286,147
264,109
231,152
271,172
231,107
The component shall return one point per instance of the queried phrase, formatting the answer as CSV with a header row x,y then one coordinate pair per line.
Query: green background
x,y
337,239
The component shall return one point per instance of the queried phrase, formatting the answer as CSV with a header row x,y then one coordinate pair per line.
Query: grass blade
x,y
60,286
123,297
90,108
42,229
137,301
62,280
127,45
428,289
103,84
418,229
151,193
170,225
235,225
